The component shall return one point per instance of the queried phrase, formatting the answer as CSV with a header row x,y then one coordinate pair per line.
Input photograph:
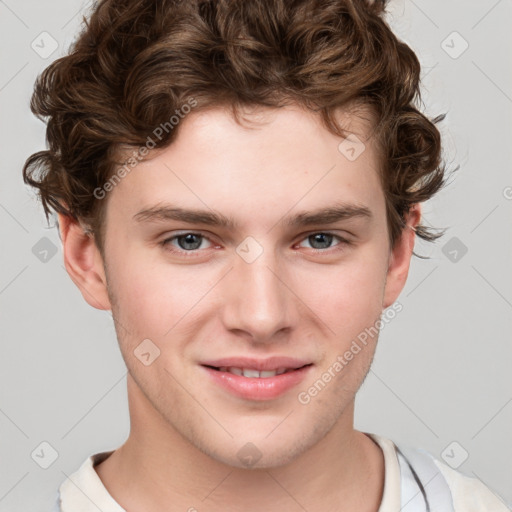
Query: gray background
x,y
442,369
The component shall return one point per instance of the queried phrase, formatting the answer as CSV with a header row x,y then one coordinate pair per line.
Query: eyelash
x,y
195,252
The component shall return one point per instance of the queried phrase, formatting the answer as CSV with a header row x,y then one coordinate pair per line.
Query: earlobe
x,y
400,258
83,262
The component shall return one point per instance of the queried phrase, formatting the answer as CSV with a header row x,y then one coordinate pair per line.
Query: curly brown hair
x,y
137,62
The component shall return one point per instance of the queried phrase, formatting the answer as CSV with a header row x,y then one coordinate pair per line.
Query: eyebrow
x,y
328,215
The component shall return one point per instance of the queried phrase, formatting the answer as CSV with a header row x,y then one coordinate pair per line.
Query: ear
x,y
83,262
400,258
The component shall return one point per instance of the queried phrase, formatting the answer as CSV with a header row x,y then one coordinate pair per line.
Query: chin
x,y
263,451
262,459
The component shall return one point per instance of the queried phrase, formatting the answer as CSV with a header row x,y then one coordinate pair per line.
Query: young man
x,y
240,184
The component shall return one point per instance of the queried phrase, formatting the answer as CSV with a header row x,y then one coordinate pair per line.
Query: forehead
x,y
271,131
273,160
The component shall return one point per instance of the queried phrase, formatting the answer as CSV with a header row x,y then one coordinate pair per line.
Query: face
x,y
302,270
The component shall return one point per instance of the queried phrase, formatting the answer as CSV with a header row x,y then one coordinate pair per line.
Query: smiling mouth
x,y
255,374
255,380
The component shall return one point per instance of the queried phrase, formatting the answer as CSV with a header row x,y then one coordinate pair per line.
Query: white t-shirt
x,y
84,491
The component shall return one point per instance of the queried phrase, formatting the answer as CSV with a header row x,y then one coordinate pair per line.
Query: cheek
x,y
153,299
347,297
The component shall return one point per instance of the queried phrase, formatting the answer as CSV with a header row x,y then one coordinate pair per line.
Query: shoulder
x,y
445,488
83,490
470,494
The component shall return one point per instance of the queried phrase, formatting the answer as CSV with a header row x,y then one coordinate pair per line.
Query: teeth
x,y
250,373
255,374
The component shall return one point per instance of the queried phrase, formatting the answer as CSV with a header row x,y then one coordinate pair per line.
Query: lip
x,y
258,389
271,363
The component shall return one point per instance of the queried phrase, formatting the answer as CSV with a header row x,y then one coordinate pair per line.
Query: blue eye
x,y
188,244
323,239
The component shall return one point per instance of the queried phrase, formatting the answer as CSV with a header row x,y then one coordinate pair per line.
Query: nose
x,y
258,301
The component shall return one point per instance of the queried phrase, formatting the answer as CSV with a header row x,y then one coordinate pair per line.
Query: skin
x,y
292,301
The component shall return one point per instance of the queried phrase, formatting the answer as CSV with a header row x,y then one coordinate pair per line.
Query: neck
x,y
157,466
